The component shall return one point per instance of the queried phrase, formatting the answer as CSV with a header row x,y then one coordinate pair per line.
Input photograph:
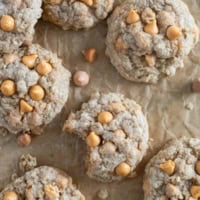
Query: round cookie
x,y
174,173
148,39
42,183
116,133
76,14
17,21
34,87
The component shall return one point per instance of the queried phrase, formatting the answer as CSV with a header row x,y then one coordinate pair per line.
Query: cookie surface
x,y
174,173
147,40
76,14
17,21
116,133
42,183
34,87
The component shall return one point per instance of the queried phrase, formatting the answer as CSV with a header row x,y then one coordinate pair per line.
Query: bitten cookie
x,y
76,14
174,173
148,40
42,183
17,21
116,133
34,87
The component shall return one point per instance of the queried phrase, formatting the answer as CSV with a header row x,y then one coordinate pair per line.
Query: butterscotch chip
x,y
25,107
168,167
44,68
195,191
173,33
151,28
90,55
81,78
7,23
8,88
56,2
132,17
9,58
123,169
119,45
36,92
10,196
197,167
196,85
24,140
29,60
88,2
117,107
93,139
105,117
51,192
108,148
151,61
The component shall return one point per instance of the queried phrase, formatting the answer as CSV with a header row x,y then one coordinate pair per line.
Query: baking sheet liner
x,y
167,105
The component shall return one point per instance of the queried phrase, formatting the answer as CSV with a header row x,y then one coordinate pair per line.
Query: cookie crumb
x,y
3,132
14,176
103,194
189,106
27,162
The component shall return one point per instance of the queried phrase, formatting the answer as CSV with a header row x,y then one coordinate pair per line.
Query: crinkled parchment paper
x,y
165,104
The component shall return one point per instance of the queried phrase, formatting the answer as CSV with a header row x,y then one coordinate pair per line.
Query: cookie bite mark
x,y
7,23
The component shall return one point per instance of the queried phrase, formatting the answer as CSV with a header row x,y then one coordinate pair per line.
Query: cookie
x,y
17,21
34,87
116,133
42,183
76,14
174,173
147,40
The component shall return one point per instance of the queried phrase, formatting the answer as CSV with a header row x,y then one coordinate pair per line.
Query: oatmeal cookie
x,y
148,40
17,21
34,87
116,133
76,14
174,173
42,183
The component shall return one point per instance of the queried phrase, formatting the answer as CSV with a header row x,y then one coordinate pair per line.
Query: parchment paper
x,y
165,105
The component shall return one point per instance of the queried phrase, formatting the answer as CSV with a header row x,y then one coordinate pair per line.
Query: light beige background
x,y
164,104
